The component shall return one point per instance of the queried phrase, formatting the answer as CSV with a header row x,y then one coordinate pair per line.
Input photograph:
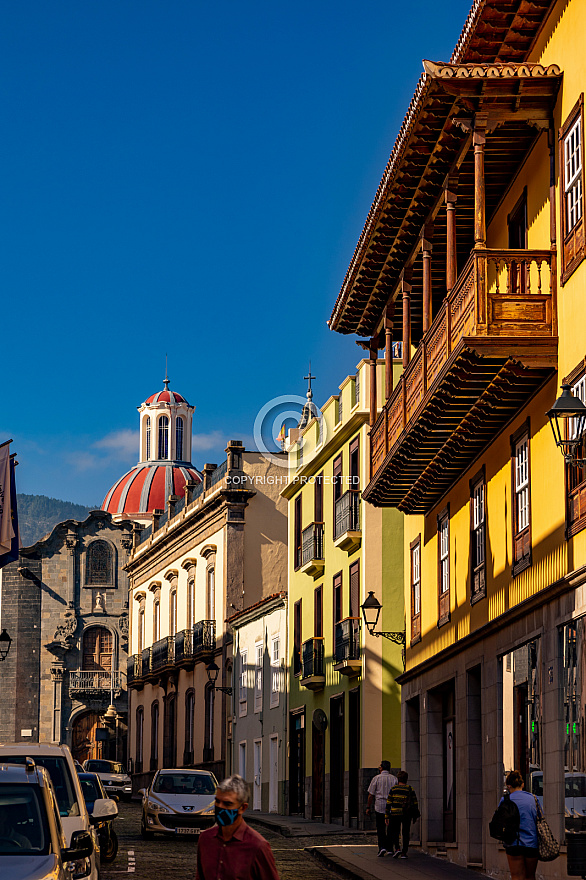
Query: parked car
x,y
57,760
113,775
575,798
32,839
178,802
93,792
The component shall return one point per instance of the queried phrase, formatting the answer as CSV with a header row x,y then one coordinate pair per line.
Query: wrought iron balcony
x,y
204,637
91,682
183,646
146,661
134,670
493,343
162,653
312,549
347,655
312,664
347,534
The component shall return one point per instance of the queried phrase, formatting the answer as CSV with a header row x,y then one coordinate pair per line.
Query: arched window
x,y
139,739
154,735
172,612
211,594
97,649
156,621
99,567
179,439
141,632
190,603
148,437
188,750
208,741
170,732
163,437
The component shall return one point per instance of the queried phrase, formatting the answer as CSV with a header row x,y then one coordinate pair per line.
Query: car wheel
x,y
111,848
144,831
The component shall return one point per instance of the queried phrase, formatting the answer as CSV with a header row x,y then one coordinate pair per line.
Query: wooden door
x,y
83,737
317,768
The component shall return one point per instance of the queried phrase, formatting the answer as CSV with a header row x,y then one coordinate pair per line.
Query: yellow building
x,y
473,255
344,704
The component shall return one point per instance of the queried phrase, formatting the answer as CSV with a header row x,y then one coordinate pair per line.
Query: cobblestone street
x,y
175,859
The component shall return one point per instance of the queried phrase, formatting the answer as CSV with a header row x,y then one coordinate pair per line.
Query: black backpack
x,y
506,820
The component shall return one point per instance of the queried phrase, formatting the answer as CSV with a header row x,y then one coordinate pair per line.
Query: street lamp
x,y
5,643
371,609
567,418
212,671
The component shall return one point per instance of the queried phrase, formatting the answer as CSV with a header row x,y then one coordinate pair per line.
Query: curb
x,y
283,830
336,864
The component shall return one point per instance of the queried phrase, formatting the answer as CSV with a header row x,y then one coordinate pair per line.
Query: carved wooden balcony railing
x,y
312,549
312,660
502,311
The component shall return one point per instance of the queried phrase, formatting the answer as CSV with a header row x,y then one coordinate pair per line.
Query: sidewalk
x,y
298,826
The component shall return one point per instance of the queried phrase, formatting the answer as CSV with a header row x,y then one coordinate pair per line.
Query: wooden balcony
x,y
347,534
313,674
347,654
493,343
312,550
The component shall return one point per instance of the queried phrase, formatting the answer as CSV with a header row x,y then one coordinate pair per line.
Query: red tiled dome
x,y
148,486
166,396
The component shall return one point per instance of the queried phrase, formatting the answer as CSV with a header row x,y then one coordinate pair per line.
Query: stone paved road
x,y
175,859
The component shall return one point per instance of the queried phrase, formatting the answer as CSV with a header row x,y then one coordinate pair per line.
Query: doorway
x,y
337,756
84,744
274,775
257,788
297,763
318,747
353,753
517,223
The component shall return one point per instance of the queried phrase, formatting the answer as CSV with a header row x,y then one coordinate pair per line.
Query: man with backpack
x,y
402,809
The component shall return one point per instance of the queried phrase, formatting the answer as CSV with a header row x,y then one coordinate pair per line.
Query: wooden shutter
x,y
319,499
337,598
318,612
297,637
355,590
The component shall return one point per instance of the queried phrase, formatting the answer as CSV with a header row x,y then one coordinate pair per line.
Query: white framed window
x,y
211,593
522,483
478,522
179,439
148,438
444,535
416,579
242,759
579,391
163,437
275,669
258,650
156,621
190,603
242,682
141,631
173,612
573,174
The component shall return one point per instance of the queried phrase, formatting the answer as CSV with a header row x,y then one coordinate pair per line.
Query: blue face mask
x,y
224,816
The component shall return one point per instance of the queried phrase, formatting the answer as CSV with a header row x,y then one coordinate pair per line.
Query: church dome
x,y
164,459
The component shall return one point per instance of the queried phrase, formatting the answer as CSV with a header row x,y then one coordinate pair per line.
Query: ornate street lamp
x,y
567,418
5,643
371,609
212,671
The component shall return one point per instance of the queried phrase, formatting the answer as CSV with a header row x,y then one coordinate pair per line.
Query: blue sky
x,y
186,178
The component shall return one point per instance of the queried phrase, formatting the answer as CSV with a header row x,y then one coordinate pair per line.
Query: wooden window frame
x,y
337,613
572,241
275,671
297,532
443,596
318,499
522,536
354,465
415,616
297,637
354,571
477,570
318,611
575,488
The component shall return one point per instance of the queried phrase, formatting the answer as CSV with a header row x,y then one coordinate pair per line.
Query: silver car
x,y
178,802
114,777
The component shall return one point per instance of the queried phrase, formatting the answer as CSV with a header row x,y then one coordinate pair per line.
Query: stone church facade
x,y
65,604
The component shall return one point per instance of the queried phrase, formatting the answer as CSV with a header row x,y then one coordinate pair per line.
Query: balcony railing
x,y
183,645
133,668
204,637
162,653
347,513
347,641
505,301
312,658
90,681
312,543
146,661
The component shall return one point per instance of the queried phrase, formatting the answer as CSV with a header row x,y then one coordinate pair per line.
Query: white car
x,y
58,761
178,802
575,798
114,777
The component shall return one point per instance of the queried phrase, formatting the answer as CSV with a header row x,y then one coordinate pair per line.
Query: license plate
x,y
187,831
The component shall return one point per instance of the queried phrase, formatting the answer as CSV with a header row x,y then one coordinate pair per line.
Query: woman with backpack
x,y
523,851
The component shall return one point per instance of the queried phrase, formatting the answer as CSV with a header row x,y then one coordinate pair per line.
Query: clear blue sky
x,y
190,178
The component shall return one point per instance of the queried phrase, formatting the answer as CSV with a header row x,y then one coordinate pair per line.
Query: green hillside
x,y
37,515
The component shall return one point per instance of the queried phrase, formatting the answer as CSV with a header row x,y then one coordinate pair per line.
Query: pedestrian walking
x,y
401,810
231,850
378,792
523,851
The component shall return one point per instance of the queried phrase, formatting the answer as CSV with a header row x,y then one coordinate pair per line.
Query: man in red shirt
x,y
233,850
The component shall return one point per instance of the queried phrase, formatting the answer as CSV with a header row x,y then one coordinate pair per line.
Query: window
x,y
211,594
188,755
337,481
258,677
148,437
242,759
156,620
415,551
522,500
357,388
572,173
97,649
355,464
141,633
170,731
154,735
190,603
340,412
139,739
173,612
99,568
297,533
477,538
337,595
297,638
208,742
163,437
354,594
179,439
443,542
576,474
318,499
318,612
242,685
275,670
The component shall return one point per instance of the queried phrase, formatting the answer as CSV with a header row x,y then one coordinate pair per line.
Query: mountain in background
x,y
37,515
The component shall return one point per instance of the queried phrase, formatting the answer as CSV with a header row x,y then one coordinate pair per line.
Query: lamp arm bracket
x,y
397,637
